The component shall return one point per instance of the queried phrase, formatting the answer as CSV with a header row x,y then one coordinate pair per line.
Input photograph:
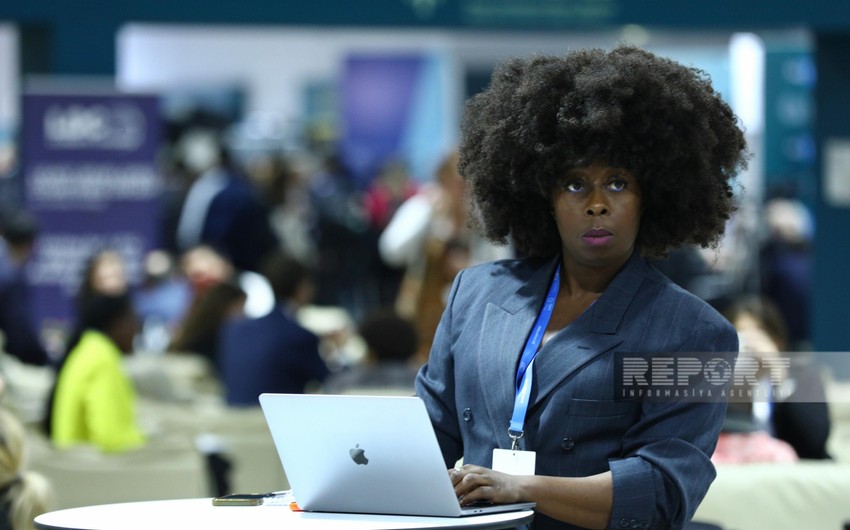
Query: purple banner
x,y
377,97
91,178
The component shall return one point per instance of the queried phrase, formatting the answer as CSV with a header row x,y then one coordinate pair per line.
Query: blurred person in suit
x,y
93,400
786,266
284,186
222,208
589,163
272,353
24,494
20,334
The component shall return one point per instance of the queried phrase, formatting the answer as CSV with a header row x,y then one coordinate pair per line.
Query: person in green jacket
x,y
93,399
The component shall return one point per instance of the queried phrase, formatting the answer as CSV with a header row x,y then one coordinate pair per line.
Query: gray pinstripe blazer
x,y
658,452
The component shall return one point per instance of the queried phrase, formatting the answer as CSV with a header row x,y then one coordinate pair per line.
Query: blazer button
x,y
624,523
467,414
567,444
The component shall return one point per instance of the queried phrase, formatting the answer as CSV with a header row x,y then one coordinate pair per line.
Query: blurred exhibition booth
x,y
388,78
93,94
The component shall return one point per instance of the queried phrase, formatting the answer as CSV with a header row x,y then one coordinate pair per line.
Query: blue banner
x,y
90,176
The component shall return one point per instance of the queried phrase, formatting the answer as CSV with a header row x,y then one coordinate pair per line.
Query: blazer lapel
x,y
592,334
506,325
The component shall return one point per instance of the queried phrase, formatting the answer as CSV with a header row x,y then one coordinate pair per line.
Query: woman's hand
x,y
582,501
476,483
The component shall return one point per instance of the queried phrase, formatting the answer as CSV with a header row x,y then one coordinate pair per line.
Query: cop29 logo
x,y
119,126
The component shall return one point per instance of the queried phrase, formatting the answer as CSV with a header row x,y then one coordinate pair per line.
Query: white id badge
x,y
514,462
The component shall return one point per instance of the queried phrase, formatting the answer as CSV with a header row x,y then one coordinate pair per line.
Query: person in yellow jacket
x,y
93,399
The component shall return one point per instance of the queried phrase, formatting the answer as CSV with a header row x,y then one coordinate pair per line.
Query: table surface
x,y
200,513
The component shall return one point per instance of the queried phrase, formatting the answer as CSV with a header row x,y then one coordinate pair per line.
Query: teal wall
x,y
81,33
831,297
789,150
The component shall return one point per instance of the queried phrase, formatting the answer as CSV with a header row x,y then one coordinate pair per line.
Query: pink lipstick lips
x,y
597,236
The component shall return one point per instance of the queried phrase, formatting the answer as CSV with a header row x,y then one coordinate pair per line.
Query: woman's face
x,y
597,210
108,275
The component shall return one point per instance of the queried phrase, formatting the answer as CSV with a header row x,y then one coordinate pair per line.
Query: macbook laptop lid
x,y
364,454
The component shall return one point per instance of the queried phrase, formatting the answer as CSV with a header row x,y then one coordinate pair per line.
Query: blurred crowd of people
x,y
248,242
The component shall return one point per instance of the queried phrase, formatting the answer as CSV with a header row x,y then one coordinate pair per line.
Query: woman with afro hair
x,y
588,164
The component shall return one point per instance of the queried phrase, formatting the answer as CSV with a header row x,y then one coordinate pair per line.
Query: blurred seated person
x,y
104,273
794,410
203,266
161,300
19,232
272,353
391,345
744,440
211,308
23,494
93,399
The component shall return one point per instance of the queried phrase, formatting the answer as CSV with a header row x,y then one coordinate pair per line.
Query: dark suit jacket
x,y
16,324
657,450
237,224
267,354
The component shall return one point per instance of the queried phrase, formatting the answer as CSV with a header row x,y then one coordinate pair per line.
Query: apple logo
x,y
358,455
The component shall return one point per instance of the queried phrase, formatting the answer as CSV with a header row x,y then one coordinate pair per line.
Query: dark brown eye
x,y
618,184
574,186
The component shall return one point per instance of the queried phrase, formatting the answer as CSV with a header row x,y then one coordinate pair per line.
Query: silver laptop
x,y
364,454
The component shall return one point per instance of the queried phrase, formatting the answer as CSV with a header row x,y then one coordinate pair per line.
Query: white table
x,y
200,513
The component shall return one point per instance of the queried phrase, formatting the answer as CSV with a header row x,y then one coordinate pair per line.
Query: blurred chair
x,y
804,494
172,377
84,476
27,387
239,435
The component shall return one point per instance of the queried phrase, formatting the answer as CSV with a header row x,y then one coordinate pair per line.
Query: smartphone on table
x,y
242,499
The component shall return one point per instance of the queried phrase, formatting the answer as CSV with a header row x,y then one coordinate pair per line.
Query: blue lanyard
x,y
525,374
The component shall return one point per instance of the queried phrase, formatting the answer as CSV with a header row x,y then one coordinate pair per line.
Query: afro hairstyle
x,y
543,116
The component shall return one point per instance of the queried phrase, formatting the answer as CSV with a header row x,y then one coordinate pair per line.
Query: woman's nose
x,y
596,204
